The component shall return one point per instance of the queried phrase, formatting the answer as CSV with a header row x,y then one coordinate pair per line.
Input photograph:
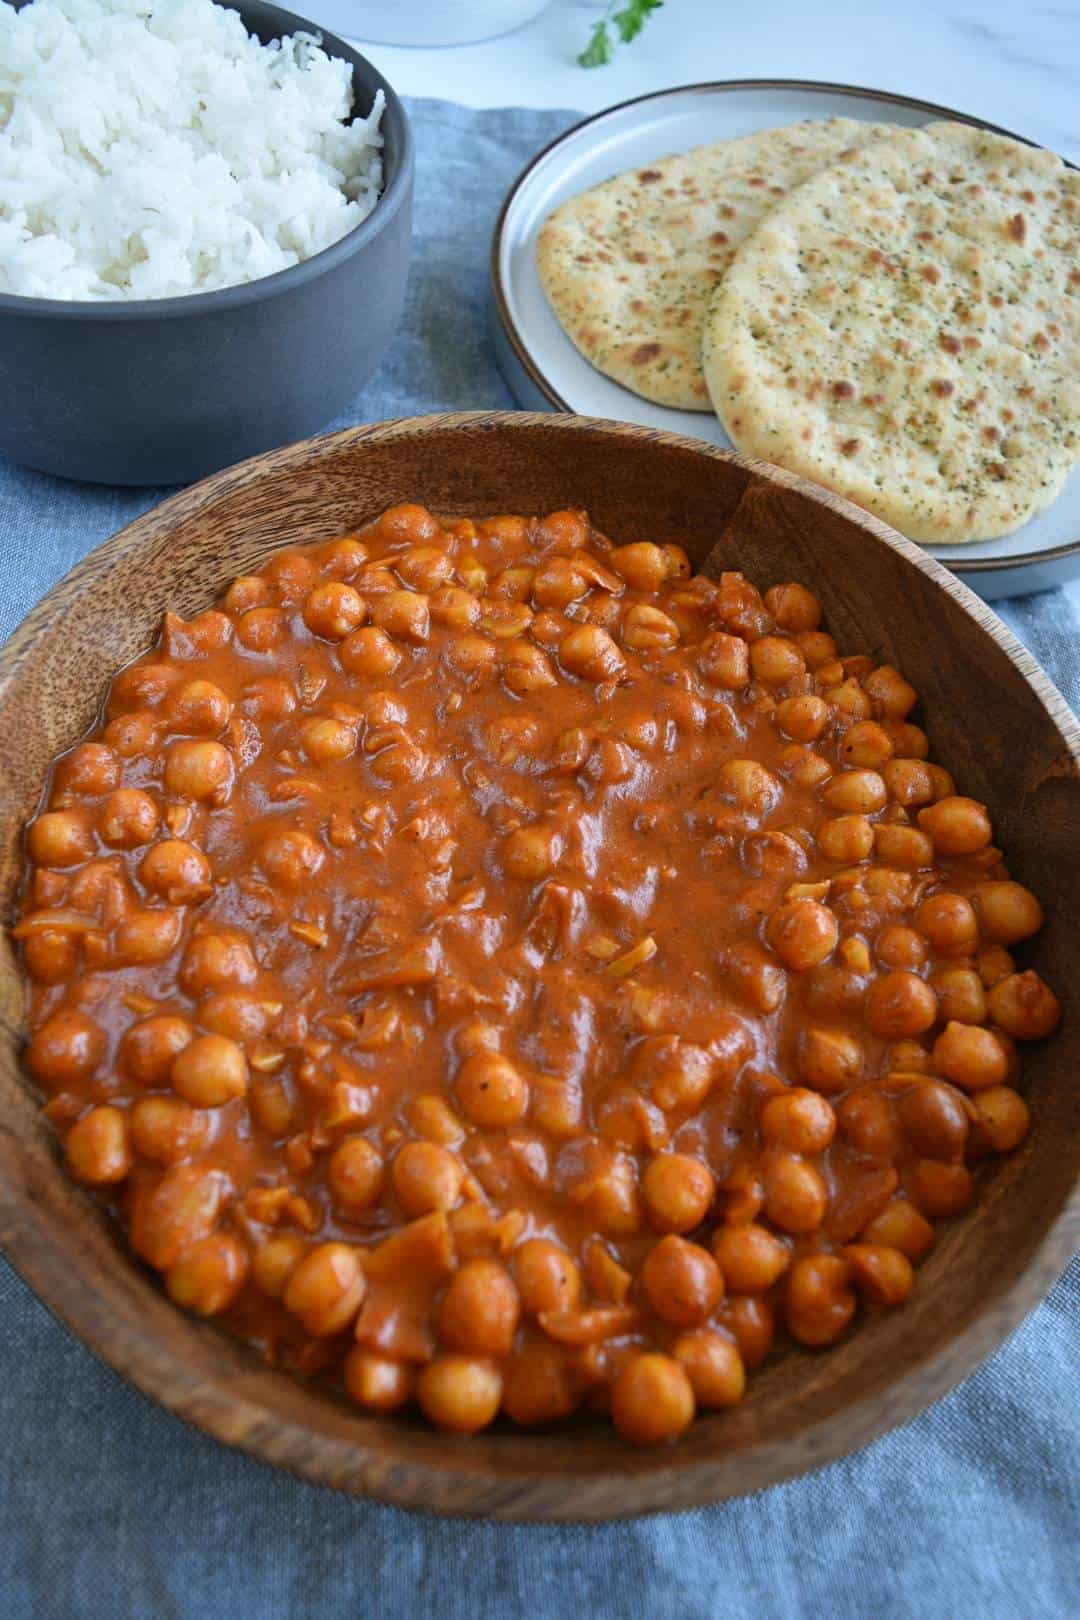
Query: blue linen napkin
x,y
111,1507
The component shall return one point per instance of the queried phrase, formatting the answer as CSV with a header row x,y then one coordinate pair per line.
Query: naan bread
x,y
629,266
905,328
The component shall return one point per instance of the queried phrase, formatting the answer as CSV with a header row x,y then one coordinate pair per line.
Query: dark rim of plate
x,y
953,560
281,281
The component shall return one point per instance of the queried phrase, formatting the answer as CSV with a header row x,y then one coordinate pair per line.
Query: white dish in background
x,y
546,371
424,22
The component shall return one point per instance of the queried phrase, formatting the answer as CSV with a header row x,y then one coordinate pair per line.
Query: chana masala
x,y
504,972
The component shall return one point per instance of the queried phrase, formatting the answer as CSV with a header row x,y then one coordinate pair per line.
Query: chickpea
x,y
454,608
269,697
934,1120
908,781
751,1321
210,1071
816,647
677,1190
461,1393
682,1281
642,565
847,696
899,1005
98,1147
904,847
802,718
547,1278
725,660
958,826
479,1310
900,1226
866,746
649,629
60,838
796,1197
1007,912
846,839
333,610
424,568
342,559
142,686
829,1060
530,853
473,656
652,1402
908,1057
793,608
960,995
909,742
992,965
369,652
540,1385
199,708
407,524
166,1130
939,1189
375,1382
261,629
403,614
491,1091
948,921
1004,1118
900,947
868,1122
820,1301
149,1047
750,1257
326,1289
198,770
217,962
776,661
803,767
748,785
800,1121
1024,1007
802,933
327,740
426,1177
207,1277
355,1175
177,871
290,857
882,1275
248,591
527,668
293,574
895,697
856,793
147,936
971,1057
590,653
275,1262
67,1048
91,769
557,583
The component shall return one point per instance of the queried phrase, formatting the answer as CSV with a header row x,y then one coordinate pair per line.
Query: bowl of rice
x,y
205,224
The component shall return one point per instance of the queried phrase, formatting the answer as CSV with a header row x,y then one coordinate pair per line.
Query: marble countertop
x,y
1018,66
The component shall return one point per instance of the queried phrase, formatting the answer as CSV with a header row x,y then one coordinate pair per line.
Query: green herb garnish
x,y
628,22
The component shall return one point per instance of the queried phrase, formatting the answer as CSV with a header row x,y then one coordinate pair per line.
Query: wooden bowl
x,y
994,720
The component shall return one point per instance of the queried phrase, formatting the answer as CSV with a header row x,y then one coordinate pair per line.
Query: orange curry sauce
x,y
510,974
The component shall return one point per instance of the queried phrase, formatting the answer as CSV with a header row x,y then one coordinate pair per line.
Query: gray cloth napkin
x,y
110,1507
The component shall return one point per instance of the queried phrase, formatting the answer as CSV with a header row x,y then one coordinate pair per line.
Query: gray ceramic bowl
x,y
163,391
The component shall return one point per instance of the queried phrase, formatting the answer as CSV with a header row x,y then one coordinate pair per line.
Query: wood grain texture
x,y
994,720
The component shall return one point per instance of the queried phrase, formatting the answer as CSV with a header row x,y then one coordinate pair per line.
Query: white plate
x,y
546,371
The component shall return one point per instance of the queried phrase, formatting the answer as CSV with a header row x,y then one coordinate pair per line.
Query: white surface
x,y
640,134
1015,64
425,22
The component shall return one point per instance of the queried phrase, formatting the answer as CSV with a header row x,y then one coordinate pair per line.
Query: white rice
x,y
151,147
